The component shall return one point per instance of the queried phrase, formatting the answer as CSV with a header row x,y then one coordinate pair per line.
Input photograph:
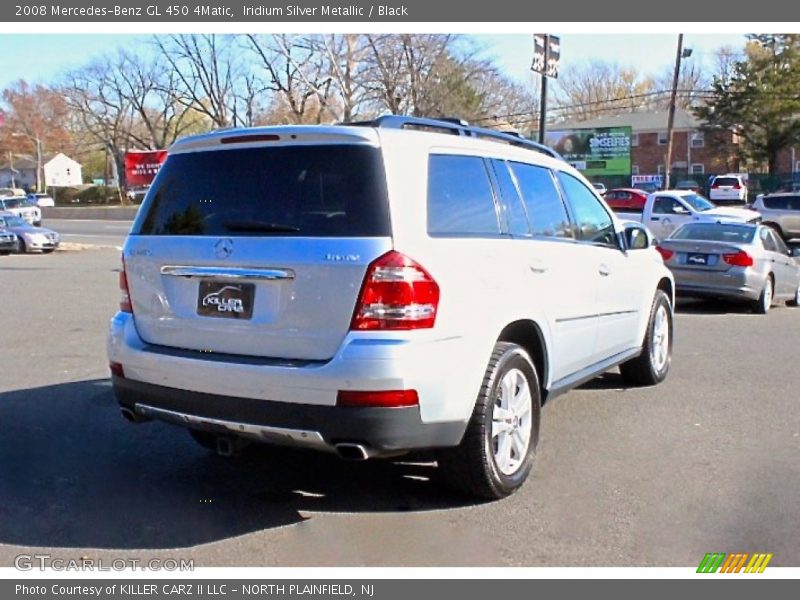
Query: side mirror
x,y
680,210
636,237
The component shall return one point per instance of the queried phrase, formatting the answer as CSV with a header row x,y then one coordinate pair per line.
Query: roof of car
x,y
626,189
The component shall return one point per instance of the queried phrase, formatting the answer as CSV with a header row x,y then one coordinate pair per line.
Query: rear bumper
x,y
381,431
734,284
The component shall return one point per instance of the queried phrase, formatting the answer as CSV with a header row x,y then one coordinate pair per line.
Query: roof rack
x,y
457,126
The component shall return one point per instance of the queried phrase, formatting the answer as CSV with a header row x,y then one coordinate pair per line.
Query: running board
x,y
569,382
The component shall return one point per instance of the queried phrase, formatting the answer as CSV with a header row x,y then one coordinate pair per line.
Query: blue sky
x,y
42,57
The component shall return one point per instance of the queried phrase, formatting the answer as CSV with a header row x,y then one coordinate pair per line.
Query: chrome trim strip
x,y
227,273
265,433
596,315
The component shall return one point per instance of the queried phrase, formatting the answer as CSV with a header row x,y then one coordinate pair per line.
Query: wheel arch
x,y
528,335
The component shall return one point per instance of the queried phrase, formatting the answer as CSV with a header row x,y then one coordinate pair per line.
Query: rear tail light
x,y
397,293
125,304
384,399
116,369
715,186
736,186
665,254
738,259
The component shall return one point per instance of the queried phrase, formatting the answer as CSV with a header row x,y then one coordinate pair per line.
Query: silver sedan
x,y
735,261
29,238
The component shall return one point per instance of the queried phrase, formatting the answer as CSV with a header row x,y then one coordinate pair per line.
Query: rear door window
x,y
316,191
516,214
460,197
546,210
782,202
767,241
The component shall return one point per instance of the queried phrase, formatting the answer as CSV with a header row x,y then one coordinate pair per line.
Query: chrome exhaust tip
x,y
349,451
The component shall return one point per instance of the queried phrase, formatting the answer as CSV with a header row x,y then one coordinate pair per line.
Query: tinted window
x,y
516,215
767,241
320,191
716,232
664,205
591,218
782,202
546,211
460,198
731,181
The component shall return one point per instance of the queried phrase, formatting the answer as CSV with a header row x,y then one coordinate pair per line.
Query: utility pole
x,y
671,117
543,96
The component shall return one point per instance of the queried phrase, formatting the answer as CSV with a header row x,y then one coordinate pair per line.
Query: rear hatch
x,y
258,249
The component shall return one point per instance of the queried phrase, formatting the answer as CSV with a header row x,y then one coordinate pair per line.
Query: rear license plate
x,y
696,259
227,300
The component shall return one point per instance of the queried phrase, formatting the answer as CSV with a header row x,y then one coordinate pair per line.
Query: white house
x,y
61,171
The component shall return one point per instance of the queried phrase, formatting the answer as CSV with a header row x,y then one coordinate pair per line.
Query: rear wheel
x,y
499,446
652,365
22,248
764,302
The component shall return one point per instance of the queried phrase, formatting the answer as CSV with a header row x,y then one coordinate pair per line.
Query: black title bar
x,y
444,11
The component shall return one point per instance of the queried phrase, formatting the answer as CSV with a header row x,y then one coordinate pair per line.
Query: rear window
x,y
716,232
782,202
460,197
732,181
316,191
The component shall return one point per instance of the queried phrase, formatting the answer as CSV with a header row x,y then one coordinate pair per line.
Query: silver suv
x,y
378,288
781,212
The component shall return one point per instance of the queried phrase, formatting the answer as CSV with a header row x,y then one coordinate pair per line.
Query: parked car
x,y
648,187
8,241
41,200
8,192
30,238
665,211
738,261
629,200
20,206
375,289
728,189
599,187
689,185
781,212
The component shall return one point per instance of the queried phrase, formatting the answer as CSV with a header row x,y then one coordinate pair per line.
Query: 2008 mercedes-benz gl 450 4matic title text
x,y
378,288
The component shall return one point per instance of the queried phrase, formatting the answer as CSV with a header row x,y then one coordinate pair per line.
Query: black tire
x,y
21,247
796,300
644,370
48,250
5,253
471,466
764,302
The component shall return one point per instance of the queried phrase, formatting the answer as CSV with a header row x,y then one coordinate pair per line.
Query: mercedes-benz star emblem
x,y
223,248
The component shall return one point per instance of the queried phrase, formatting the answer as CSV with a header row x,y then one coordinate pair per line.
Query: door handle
x,y
654,218
604,270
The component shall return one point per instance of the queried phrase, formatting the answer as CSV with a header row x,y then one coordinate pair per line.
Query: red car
x,y
626,199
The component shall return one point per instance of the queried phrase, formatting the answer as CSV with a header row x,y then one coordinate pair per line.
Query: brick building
x,y
695,153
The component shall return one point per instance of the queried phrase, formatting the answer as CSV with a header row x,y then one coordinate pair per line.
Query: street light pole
x,y
671,117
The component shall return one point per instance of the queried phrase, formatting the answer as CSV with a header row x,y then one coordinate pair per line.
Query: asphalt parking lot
x,y
625,477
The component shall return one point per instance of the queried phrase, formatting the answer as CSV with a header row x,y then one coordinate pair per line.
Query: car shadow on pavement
x,y
74,473
711,307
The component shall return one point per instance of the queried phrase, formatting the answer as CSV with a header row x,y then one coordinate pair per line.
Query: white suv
x,y
378,288
728,189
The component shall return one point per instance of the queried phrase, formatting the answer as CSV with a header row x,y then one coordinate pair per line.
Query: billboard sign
x,y
141,167
596,151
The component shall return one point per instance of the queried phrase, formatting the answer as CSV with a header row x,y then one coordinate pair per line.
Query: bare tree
x,y
597,87
210,76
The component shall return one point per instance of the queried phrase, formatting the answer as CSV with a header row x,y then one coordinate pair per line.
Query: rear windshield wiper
x,y
260,227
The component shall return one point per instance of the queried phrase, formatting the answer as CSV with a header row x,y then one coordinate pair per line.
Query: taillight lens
x,y
397,293
665,254
384,399
738,259
125,304
116,369
715,186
